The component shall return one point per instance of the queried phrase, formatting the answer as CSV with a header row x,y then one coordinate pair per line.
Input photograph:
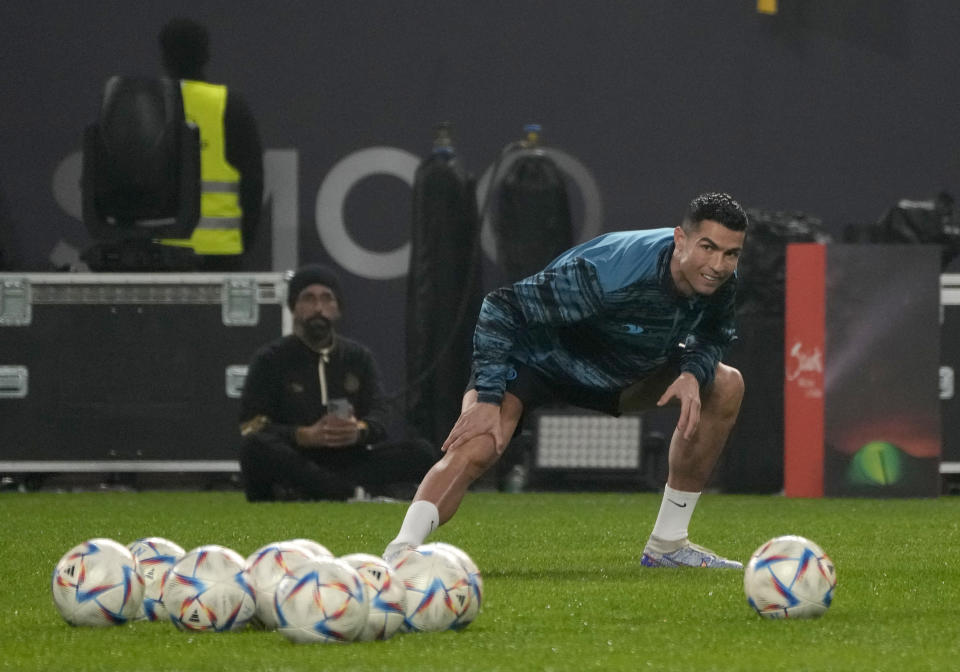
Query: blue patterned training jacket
x,y
602,315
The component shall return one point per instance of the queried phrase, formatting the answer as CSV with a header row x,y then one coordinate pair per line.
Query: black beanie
x,y
313,274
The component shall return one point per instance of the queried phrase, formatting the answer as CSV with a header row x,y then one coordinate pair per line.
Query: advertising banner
x,y
861,373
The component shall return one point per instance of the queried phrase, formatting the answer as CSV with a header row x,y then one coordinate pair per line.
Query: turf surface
x,y
564,588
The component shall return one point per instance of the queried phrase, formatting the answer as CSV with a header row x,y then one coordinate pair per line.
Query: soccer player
x,y
627,321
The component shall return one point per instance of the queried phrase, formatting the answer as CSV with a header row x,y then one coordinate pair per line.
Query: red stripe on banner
x,y
804,352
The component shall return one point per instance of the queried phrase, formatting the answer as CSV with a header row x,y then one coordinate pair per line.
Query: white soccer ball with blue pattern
x,y
265,567
96,583
473,576
315,547
323,601
790,577
385,592
206,591
438,589
155,555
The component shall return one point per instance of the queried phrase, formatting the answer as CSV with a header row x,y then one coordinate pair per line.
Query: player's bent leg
x,y
448,480
691,463
445,485
723,397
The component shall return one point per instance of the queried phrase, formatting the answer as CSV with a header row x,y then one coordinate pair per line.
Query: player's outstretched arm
x,y
686,390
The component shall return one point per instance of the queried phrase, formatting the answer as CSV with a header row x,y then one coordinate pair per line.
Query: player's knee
x,y
728,388
473,457
733,380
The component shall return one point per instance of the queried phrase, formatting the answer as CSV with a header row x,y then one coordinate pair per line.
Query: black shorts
x,y
533,391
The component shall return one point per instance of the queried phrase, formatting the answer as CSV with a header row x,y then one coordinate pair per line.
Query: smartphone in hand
x,y
340,408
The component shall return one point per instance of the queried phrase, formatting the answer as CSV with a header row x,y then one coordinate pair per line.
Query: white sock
x,y
676,508
422,518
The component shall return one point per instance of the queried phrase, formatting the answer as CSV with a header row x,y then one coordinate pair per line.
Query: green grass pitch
x,y
564,587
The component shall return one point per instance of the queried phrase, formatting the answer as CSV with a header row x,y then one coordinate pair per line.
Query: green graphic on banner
x,y
876,463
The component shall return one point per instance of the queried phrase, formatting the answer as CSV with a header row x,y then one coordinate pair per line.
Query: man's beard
x,y
317,330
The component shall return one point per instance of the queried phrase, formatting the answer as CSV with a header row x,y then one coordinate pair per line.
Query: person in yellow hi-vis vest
x,y
231,157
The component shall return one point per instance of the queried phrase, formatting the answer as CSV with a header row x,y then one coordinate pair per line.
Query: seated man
x,y
312,414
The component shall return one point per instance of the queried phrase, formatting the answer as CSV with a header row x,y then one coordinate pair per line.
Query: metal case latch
x,y
15,302
13,382
946,382
236,376
240,305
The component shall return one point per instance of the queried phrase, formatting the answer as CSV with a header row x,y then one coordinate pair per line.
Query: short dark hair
x,y
185,45
718,207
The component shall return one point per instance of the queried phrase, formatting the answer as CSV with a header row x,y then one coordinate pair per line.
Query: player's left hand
x,y
686,390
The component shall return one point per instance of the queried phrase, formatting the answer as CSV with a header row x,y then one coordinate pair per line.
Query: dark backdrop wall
x,y
834,108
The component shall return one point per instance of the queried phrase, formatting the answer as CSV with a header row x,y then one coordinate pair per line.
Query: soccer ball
x,y
324,600
263,570
96,583
438,589
474,577
313,547
385,592
206,590
790,577
155,555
